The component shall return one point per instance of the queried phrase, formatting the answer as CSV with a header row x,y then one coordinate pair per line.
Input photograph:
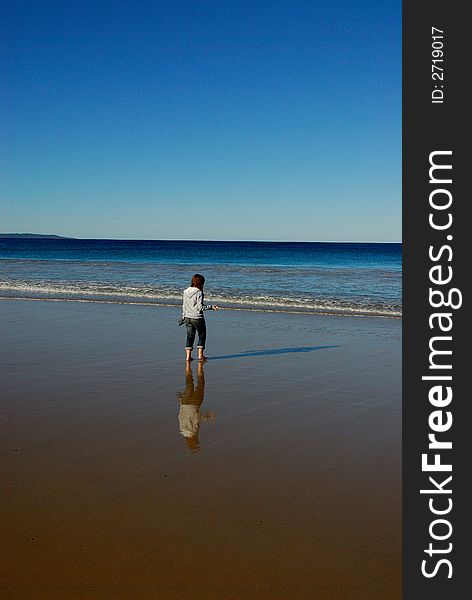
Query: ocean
x,y
362,279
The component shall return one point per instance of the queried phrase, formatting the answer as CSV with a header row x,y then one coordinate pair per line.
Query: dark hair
x,y
198,281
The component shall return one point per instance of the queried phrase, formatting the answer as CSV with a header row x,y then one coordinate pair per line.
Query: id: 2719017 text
x,y
437,65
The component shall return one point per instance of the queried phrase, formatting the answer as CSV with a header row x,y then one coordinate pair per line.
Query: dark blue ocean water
x,y
334,278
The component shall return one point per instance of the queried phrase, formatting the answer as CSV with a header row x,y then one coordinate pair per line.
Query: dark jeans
x,y
195,326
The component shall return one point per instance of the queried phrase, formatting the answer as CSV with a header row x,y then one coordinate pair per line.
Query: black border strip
x,y
435,127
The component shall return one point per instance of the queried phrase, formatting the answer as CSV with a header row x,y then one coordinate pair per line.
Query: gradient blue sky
x,y
259,120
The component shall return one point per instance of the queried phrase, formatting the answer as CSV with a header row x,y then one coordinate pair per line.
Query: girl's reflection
x,y
191,399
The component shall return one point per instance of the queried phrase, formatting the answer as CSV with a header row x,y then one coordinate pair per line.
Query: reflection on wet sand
x,y
191,400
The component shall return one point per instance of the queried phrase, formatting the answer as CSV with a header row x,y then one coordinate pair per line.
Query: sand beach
x,y
290,489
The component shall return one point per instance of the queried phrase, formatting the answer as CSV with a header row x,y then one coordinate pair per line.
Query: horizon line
x,y
5,235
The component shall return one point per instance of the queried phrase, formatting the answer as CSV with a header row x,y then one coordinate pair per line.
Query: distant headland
x,y
43,236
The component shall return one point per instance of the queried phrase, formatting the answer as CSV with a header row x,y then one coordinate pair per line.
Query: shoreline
x,y
224,308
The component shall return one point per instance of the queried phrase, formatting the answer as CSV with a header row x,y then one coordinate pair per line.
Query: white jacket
x,y
193,304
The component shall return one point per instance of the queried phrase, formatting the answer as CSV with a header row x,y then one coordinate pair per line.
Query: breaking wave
x,y
171,296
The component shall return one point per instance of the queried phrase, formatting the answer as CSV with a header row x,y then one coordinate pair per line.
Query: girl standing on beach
x,y
192,315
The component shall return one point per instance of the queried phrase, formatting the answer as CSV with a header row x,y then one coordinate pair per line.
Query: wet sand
x,y
286,486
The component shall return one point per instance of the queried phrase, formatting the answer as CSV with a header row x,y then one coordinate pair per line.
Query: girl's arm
x,y
201,305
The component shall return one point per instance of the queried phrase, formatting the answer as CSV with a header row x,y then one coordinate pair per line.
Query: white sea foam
x,y
101,292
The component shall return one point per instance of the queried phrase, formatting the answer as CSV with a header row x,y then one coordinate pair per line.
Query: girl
x,y
192,315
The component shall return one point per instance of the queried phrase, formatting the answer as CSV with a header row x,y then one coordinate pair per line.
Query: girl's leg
x,y
190,339
201,329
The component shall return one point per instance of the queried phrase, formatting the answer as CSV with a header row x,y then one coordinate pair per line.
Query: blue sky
x,y
202,120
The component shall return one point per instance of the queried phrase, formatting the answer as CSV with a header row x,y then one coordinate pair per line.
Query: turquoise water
x,y
334,278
